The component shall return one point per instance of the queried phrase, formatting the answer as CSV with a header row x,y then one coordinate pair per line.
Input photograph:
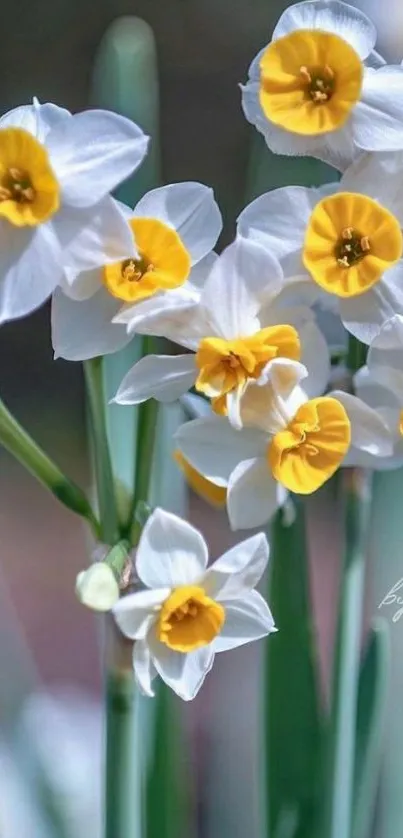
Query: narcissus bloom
x,y
241,322
172,231
189,611
319,89
348,237
56,171
287,443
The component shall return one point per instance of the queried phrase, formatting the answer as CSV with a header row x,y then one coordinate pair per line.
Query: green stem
x,y
341,740
93,371
146,436
18,442
121,804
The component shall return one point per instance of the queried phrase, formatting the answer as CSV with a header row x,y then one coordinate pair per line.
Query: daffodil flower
x,y
56,171
347,236
288,442
243,319
380,385
188,612
319,88
172,232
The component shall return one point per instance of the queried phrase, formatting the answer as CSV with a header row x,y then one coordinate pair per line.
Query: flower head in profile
x,y
287,442
319,88
347,236
172,232
188,612
244,318
56,171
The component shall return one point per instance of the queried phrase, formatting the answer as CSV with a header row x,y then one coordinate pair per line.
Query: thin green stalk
x,y
18,442
342,727
102,462
121,804
146,436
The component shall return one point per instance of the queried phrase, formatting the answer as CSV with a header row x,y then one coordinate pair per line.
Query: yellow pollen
x,y
225,365
189,619
310,449
347,260
29,191
163,263
310,81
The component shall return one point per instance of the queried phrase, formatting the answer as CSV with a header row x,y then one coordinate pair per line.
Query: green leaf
x,y
335,817
372,693
293,718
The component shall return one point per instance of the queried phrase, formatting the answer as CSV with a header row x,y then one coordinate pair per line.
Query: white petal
x,y
252,495
387,348
30,269
84,329
95,236
200,272
92,153
246,619
378,116
36,118
364,315
161,377
144,669
162,314
270,402
171,552
239,569
379,176
134,611
369,431
315,357
83,285
191,209
214,448
381,386
184,673
278,219
234,290
330,16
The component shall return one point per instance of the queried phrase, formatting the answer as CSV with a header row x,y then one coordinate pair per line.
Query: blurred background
x,y
49,649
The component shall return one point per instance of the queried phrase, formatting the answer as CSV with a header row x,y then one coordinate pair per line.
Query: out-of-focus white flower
x,y
287,442
347,235
56,171
319,89
172,230
189,612
97,587
380,385
245,317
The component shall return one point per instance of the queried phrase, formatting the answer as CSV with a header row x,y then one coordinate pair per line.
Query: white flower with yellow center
x,y
380,385
319,89
287,443
347,236
56,171
189,611
173,230
243,319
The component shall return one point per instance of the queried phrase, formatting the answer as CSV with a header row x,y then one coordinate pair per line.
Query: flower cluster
x,y
269,414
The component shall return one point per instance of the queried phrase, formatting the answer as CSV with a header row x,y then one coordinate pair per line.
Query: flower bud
x,y
97,587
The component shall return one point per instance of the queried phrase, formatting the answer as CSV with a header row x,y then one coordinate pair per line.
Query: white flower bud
x,y
97,587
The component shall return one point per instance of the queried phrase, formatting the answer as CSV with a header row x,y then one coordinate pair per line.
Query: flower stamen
x,y
351,247
16,186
